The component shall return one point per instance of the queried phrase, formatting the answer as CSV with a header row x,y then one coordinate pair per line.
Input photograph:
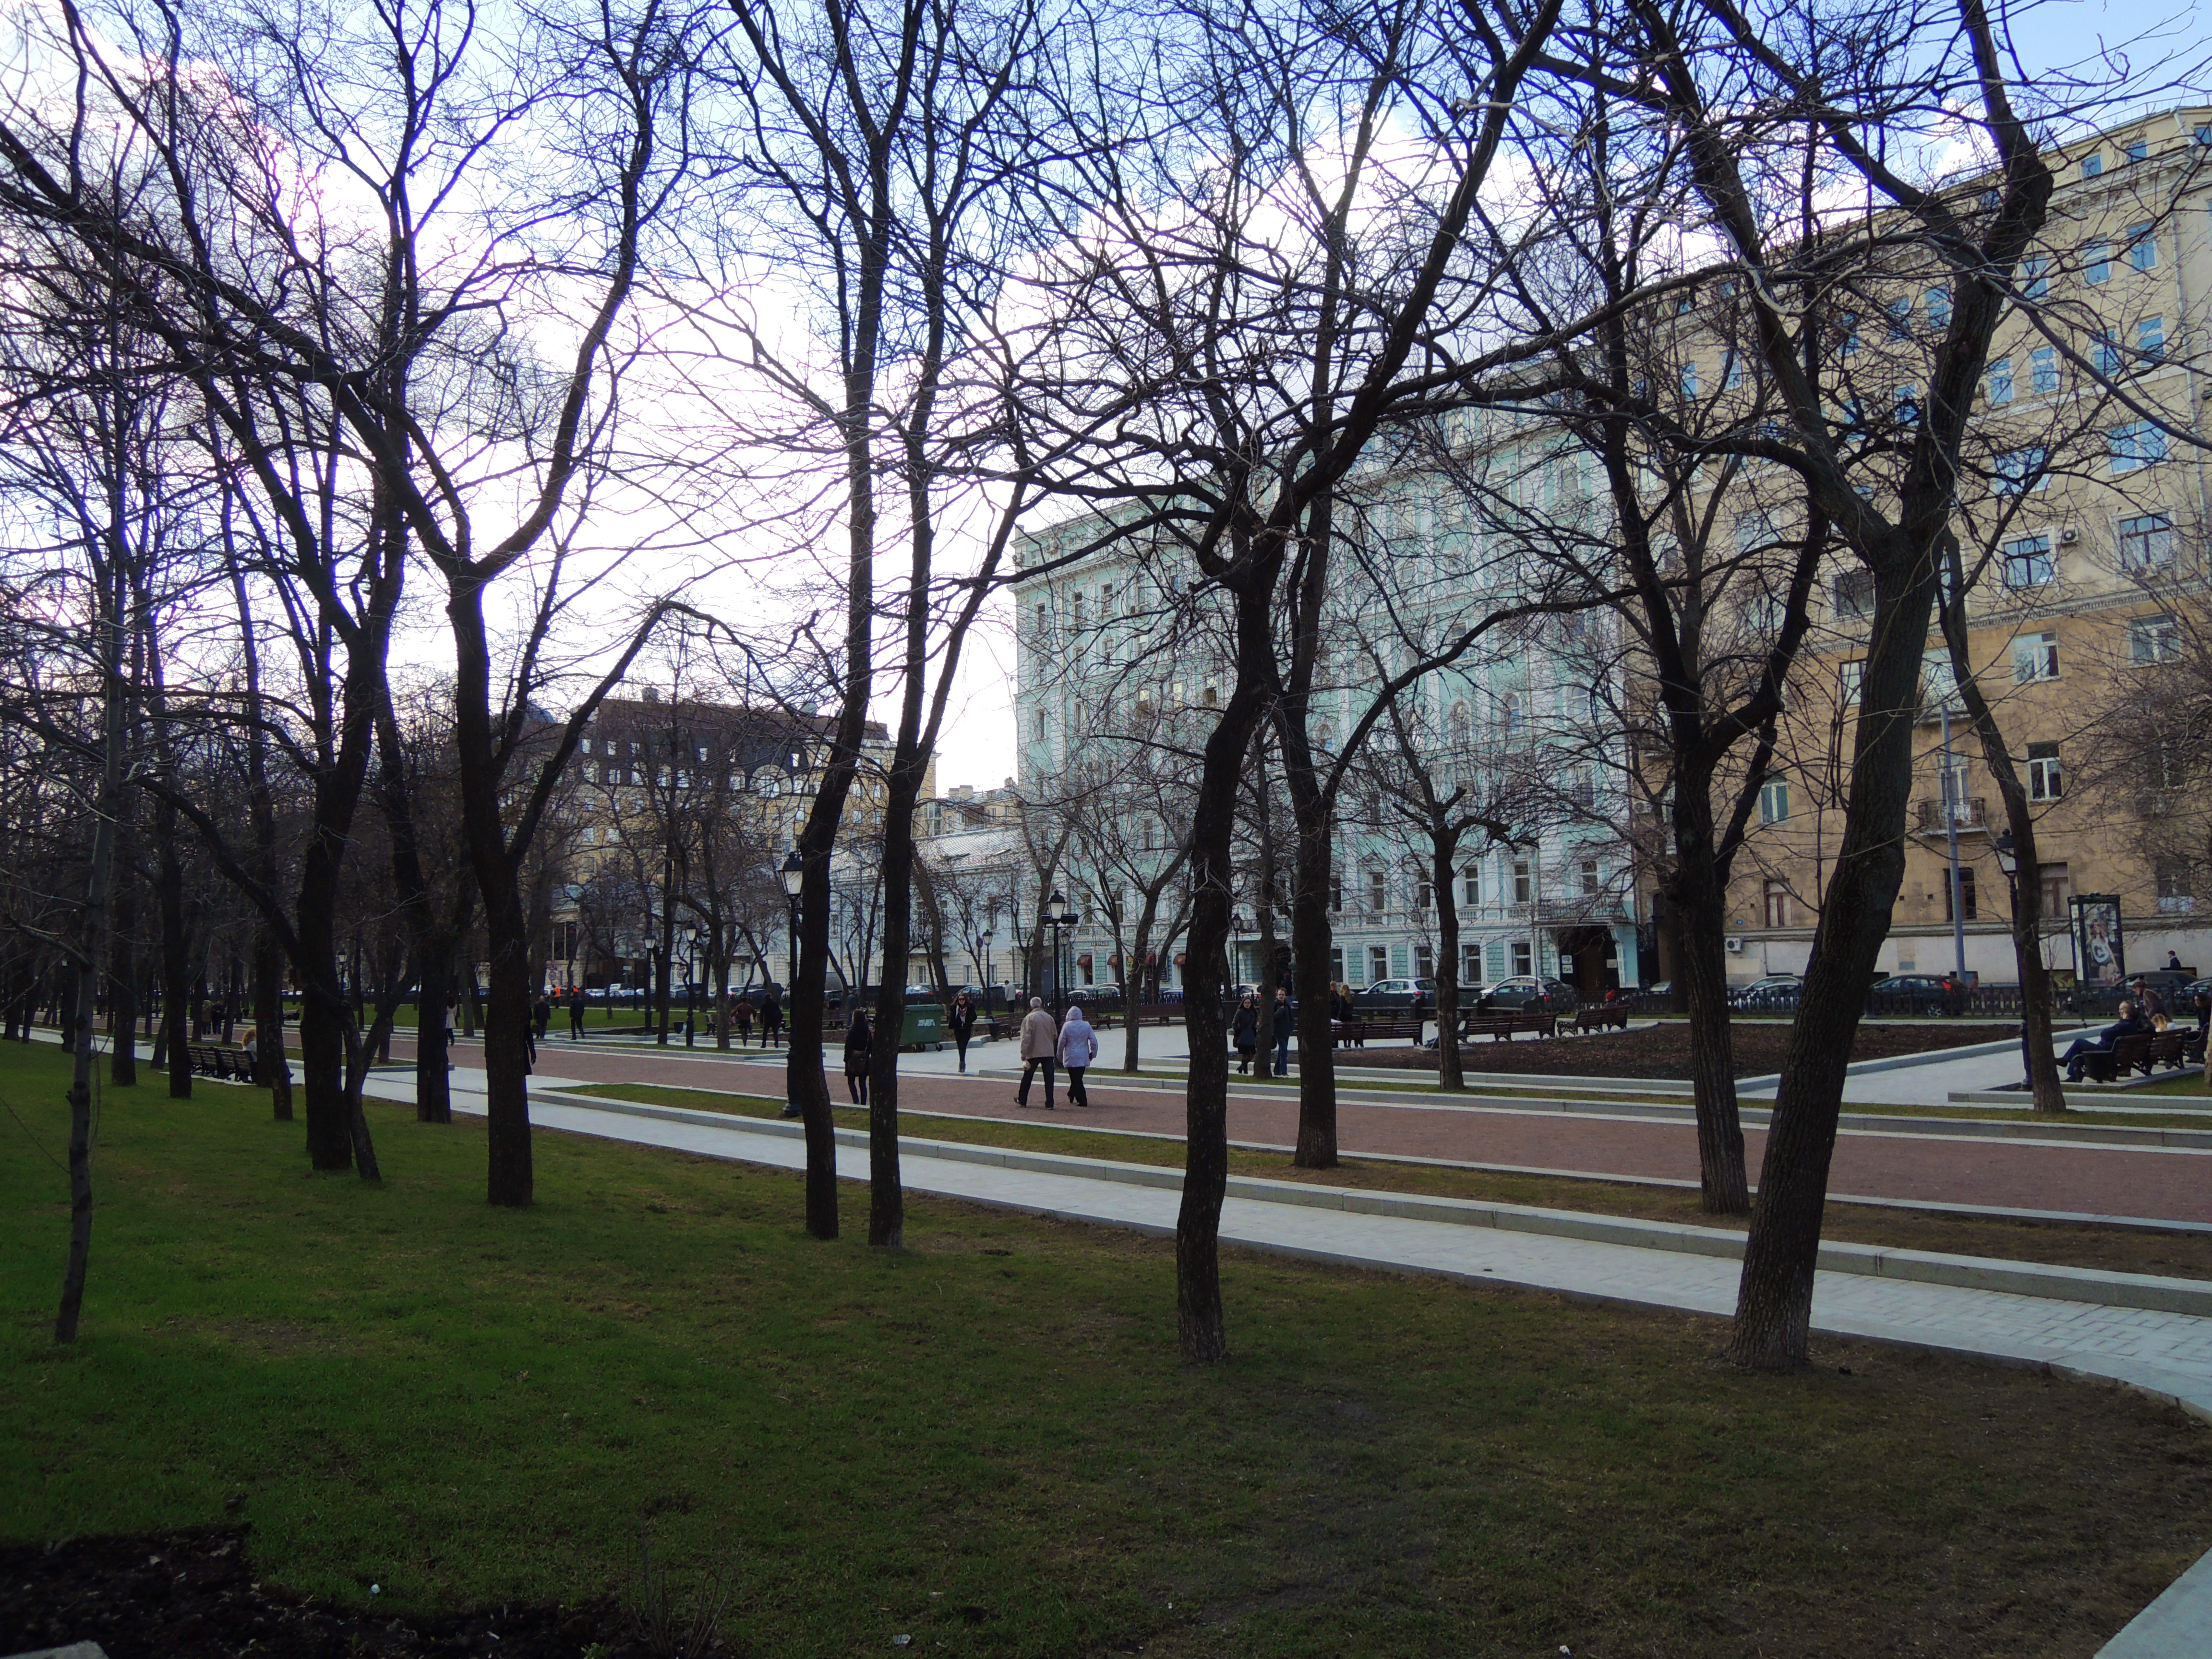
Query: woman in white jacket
x,y
1079,1046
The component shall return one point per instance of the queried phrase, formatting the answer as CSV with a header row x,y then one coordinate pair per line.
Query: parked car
x,y
1915,993
1770,991
1530,993
1394,994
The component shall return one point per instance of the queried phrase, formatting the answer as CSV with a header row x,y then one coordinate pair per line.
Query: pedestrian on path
x,y
575,1015
741,1016
962,1019
860,1051
1079,1046
771,1018
1246,1031
1284,1017
1040,1041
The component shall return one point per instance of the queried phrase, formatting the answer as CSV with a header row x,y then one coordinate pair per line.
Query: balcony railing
x,y
1968,815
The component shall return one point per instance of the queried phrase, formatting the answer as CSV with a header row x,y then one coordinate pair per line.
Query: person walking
x,y
741,1018
575,1015
541,1014
1040,1041
1285,1016
1246,1031
771,1018
1079,1046
859,1050
961,1016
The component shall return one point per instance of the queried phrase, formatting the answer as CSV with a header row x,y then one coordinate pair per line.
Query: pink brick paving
x,y
2168,1184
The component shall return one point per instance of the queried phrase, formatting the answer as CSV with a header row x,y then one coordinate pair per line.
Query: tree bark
x,y
1451,1076
1699,902
176,956
122,974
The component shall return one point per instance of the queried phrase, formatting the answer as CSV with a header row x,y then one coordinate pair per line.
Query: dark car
x,y
1511,996
1771,991
1913,993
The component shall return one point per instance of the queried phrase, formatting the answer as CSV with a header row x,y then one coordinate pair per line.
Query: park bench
x,y
2124,1057
1355,1032
221,1061
2169,1049
1505,1026
1600,1015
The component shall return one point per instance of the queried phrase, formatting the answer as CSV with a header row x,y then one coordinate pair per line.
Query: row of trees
x,y
852,295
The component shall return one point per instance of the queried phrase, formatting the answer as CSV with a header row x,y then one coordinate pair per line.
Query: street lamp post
x,y
690,984
1236,948
1062,921
793,877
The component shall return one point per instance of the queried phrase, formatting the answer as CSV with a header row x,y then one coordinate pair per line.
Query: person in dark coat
x,y
859,1050
771,1018
575,1015
1245,1030
2129,1024
961,1016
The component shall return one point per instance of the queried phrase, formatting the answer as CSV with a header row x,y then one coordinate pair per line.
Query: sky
x,y
978,744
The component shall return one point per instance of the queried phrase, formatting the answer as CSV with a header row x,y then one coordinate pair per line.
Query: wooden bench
x,y
226,1063
1495,1026
1354,1033
2169,1049
2126,1057
1600,1015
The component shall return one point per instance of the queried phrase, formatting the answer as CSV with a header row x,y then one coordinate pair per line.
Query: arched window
x,y
1509,716
1459,723
1325,735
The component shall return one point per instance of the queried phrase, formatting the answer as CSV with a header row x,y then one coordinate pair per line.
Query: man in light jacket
x,y
1040,1043
1079,1046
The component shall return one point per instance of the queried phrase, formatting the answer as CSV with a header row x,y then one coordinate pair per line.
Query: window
x,y
1850,675
1939,307
1040,626
2146,541
2150,339
1908,405
1470,885
2138,150
2027,562
2097,262
1854,592
1336,896
2137,445
2000,381
1524,958
1459,723
1378,891
1470,964
1424,895
1731,371
2177,890
585,746
2053,882
1036,722
2035,276
2203,134
2044,781
1424,962
2043,368
1900,320
2034,656
2019,470
2105,354
1778,912
1336,964
1689,379
2154,639
1210,696
1968,904
1378,964
1589,877
1524,886
1850,345
1774,800
2142,247
2092,165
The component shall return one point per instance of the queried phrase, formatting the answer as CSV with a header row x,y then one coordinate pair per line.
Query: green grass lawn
x,y
985,1440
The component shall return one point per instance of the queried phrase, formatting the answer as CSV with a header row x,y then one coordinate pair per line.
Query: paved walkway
x,y
2172,1183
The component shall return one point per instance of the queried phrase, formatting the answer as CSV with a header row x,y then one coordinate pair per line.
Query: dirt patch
x,y
193,1596
1663,1051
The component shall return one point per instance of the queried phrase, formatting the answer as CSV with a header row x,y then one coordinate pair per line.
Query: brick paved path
x,y
2166,1183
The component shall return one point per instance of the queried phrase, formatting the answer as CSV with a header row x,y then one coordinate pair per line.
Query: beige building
x,y
2083,535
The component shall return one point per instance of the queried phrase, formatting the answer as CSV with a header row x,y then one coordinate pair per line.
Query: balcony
x,y
1969,816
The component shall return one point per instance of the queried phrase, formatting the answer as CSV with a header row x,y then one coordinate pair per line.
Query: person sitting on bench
x,y
2129,1024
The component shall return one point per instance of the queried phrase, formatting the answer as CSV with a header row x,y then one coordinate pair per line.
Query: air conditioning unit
x,y
1735,945
2068,537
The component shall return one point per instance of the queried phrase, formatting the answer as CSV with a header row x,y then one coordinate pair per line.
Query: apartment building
x,y
2083,535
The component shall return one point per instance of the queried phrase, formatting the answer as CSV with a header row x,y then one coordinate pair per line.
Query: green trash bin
x,y
924,1027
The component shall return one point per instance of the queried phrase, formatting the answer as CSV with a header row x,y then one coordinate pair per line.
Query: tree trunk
x,y
511,1181
1311,938
1451,1076
1698,902
886,1196
272,1065
1774,1300
123,976
434,1098
176,958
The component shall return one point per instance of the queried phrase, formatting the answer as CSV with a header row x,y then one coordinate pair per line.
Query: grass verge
x,y
984,1441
